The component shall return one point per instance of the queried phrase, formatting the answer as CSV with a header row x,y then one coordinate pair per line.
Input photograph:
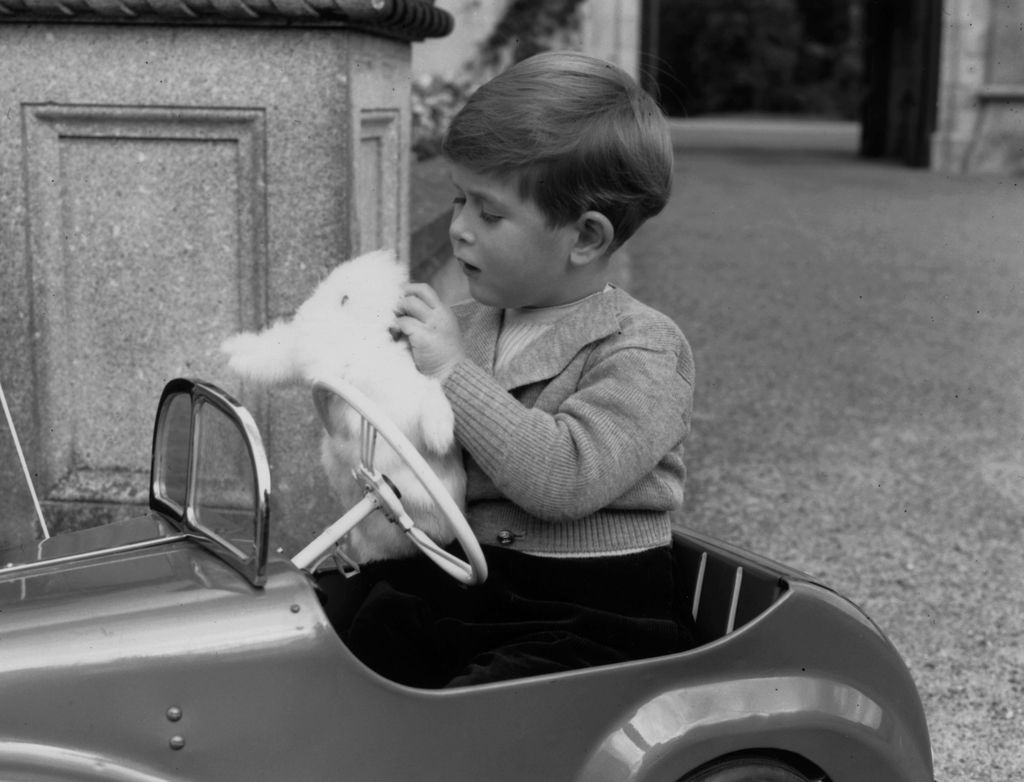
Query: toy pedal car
x,y
171,647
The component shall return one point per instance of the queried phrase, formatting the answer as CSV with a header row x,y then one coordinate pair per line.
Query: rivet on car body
x,y
177,742
174,713
296,608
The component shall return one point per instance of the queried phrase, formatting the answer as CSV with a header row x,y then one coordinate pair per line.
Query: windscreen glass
x,y
173,451
225,500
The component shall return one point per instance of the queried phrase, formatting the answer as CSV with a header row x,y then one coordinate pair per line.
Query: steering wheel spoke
x,y
382,494
315,553
367,443
449,563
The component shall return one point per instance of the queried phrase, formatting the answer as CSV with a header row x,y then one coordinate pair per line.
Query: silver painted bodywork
x,y
165,662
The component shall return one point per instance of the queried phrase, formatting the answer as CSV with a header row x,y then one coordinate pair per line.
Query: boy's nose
x,y
458,233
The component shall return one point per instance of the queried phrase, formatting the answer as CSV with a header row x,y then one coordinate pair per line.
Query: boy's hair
x,y
578,134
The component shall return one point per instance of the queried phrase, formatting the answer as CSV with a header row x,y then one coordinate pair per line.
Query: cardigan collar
x,y
547,356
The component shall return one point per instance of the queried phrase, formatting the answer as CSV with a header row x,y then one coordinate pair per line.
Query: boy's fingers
x,y
422,291
406,325
413,306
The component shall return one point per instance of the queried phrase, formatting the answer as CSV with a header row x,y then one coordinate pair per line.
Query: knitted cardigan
x,y
576,447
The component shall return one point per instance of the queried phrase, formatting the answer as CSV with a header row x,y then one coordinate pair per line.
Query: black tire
x,y
749,770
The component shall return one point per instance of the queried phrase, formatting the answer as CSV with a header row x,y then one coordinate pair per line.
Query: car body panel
x,y
139,651
267,690
775,685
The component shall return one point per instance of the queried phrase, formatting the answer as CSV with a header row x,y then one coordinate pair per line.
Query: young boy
x,y
571,398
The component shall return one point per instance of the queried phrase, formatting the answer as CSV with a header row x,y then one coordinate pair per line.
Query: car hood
x,y
112,572
103,577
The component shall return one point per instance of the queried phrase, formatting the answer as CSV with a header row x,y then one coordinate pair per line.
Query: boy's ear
x,y
593,239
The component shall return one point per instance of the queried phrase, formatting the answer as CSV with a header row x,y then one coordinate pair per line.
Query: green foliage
x,y
792,56
716,56
528,27
435,100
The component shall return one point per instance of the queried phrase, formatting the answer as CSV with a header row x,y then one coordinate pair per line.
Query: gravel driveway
x,y
859,334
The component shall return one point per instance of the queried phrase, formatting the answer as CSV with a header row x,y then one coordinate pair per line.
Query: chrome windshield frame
x,y
199,393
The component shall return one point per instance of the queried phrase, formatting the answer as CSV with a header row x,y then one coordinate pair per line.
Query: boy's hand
x,y
431,328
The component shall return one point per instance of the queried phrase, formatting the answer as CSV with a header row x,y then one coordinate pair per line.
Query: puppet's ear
x,y
267,358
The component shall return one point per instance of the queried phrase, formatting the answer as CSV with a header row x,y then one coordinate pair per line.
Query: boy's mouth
x,y
468,268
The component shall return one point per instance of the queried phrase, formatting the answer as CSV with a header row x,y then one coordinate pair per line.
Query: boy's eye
x,y
487,217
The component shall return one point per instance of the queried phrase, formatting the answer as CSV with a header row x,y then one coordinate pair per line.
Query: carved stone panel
x,y
380,139
377,202
131,282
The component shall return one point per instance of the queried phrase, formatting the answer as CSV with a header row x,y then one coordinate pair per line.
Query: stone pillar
x,y
170,173
981,94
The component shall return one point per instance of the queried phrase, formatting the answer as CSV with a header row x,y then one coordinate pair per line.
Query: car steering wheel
x,y
380,493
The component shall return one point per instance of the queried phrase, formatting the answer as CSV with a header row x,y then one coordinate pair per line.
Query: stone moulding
x,y
409,20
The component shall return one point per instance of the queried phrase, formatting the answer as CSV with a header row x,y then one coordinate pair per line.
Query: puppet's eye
x,y
344,300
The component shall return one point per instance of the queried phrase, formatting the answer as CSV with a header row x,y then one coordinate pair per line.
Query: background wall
x,y
162,187
980,125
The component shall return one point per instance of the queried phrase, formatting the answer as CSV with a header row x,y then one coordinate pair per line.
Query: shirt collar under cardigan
x,y
544,358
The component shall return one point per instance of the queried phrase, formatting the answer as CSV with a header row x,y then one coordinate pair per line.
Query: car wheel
x,y
750,770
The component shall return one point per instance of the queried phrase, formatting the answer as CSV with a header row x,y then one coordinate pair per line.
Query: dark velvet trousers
x,y
533,615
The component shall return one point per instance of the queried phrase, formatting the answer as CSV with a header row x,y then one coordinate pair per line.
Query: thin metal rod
x,y
85,556
699,586
369,443
321,546
24,464
734,603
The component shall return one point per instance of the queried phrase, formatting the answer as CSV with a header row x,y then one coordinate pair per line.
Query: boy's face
x,y
504,246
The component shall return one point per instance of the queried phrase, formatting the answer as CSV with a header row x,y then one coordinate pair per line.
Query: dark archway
x,y
872,61
901,55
